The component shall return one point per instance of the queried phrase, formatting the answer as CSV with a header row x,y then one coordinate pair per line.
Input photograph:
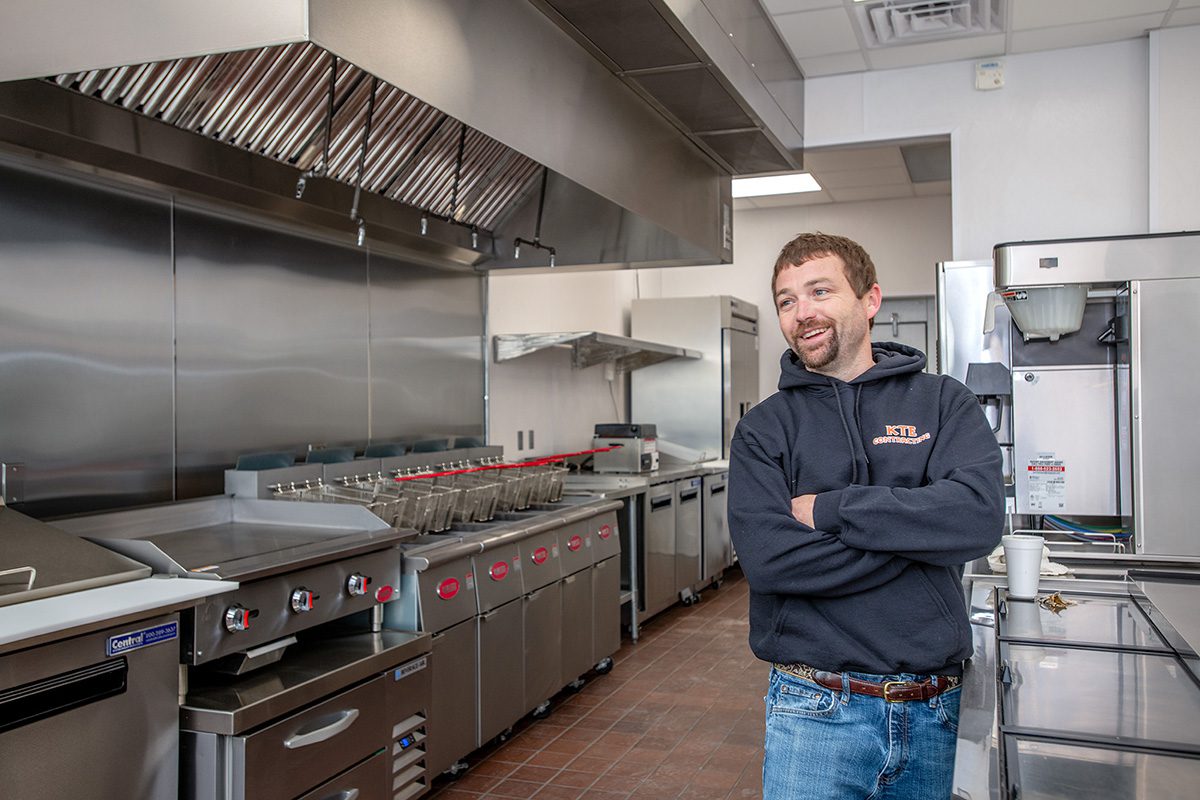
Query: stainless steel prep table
x,y
1100,700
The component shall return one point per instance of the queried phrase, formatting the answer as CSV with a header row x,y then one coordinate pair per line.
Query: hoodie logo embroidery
x,y
900,434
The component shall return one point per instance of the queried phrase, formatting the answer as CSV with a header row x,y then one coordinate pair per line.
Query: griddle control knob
x,y
303,600
357,585
237,617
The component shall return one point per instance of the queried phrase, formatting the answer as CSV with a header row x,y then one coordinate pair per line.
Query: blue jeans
x,y
827,744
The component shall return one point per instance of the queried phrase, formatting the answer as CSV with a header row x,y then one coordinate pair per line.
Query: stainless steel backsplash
x,y
145,342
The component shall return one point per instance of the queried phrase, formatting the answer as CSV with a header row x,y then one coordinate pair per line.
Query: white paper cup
x,y
1023,562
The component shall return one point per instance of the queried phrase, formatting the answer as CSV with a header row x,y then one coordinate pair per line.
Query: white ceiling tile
x,y
853,195
791,6
1186,16
933,52
1111,30
1027,14
833,65
931,188
817,33
743,204
856,178
853,158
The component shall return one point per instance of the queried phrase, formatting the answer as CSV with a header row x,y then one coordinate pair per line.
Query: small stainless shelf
x,y
589,348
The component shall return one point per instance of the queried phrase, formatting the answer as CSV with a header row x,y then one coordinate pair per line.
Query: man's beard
x,y
825,353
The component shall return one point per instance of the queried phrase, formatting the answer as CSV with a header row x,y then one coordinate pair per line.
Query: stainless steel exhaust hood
x,y
450,107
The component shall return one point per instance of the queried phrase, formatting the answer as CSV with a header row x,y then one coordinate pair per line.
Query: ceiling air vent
x,y
887,23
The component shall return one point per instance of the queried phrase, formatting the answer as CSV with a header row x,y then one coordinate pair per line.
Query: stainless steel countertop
x,y
1102,681
618,485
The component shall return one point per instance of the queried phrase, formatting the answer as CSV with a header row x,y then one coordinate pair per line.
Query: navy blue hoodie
x,y
909,488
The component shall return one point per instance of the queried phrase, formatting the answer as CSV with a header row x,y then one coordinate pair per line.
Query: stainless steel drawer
x,y
299,752
368,781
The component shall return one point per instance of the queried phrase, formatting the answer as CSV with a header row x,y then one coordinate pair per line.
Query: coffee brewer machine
x,y
1104,374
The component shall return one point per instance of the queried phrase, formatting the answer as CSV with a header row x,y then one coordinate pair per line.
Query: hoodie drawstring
x,y
846,430
858,427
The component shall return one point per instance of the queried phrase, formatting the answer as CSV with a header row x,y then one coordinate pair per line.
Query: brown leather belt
x,y
891,691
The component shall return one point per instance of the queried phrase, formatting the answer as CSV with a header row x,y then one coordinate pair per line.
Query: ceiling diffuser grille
x,y
886,23
274,101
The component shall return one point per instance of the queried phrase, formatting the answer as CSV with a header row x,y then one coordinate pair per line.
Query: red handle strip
x,y
541,462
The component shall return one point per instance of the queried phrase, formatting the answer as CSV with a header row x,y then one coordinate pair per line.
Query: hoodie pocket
x,y
938,602
781,616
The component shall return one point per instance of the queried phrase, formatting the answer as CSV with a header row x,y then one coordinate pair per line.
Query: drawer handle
x,y
345,794
345,720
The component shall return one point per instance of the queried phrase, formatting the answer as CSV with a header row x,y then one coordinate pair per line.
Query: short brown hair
x,y
859,269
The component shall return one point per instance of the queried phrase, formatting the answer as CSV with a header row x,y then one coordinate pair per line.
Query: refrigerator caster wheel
x,y
604,667
717,584
576,685
542,711
504,736
456,770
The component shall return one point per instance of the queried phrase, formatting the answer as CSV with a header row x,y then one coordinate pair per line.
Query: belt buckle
x,y
887,685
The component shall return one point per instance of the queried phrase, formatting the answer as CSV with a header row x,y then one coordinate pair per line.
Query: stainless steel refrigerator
x,y
697,403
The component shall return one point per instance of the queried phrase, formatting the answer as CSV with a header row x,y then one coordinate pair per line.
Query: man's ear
x,y
872,300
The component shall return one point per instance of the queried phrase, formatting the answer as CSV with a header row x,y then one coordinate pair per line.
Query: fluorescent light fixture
x,y
794,183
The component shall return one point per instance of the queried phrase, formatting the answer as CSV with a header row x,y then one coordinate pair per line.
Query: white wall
x,y
1174,121
1060,151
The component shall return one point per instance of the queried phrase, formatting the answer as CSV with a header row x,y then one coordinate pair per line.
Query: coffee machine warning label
x,y
1047,483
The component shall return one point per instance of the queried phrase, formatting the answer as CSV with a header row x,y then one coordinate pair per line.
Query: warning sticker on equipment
x,y
1047,483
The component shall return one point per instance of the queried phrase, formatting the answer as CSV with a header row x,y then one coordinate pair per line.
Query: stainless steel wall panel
x,y
126,382
85,342
272,347
426,358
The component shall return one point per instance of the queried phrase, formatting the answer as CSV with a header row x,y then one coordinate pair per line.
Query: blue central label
x,y
135,640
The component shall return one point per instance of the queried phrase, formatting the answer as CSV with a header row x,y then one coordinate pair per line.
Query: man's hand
x,y
802,509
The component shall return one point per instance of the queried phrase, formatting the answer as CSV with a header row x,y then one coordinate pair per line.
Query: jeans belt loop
x,y
845,688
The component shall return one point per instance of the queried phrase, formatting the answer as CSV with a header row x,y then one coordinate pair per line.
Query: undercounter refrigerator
x,y
697,403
